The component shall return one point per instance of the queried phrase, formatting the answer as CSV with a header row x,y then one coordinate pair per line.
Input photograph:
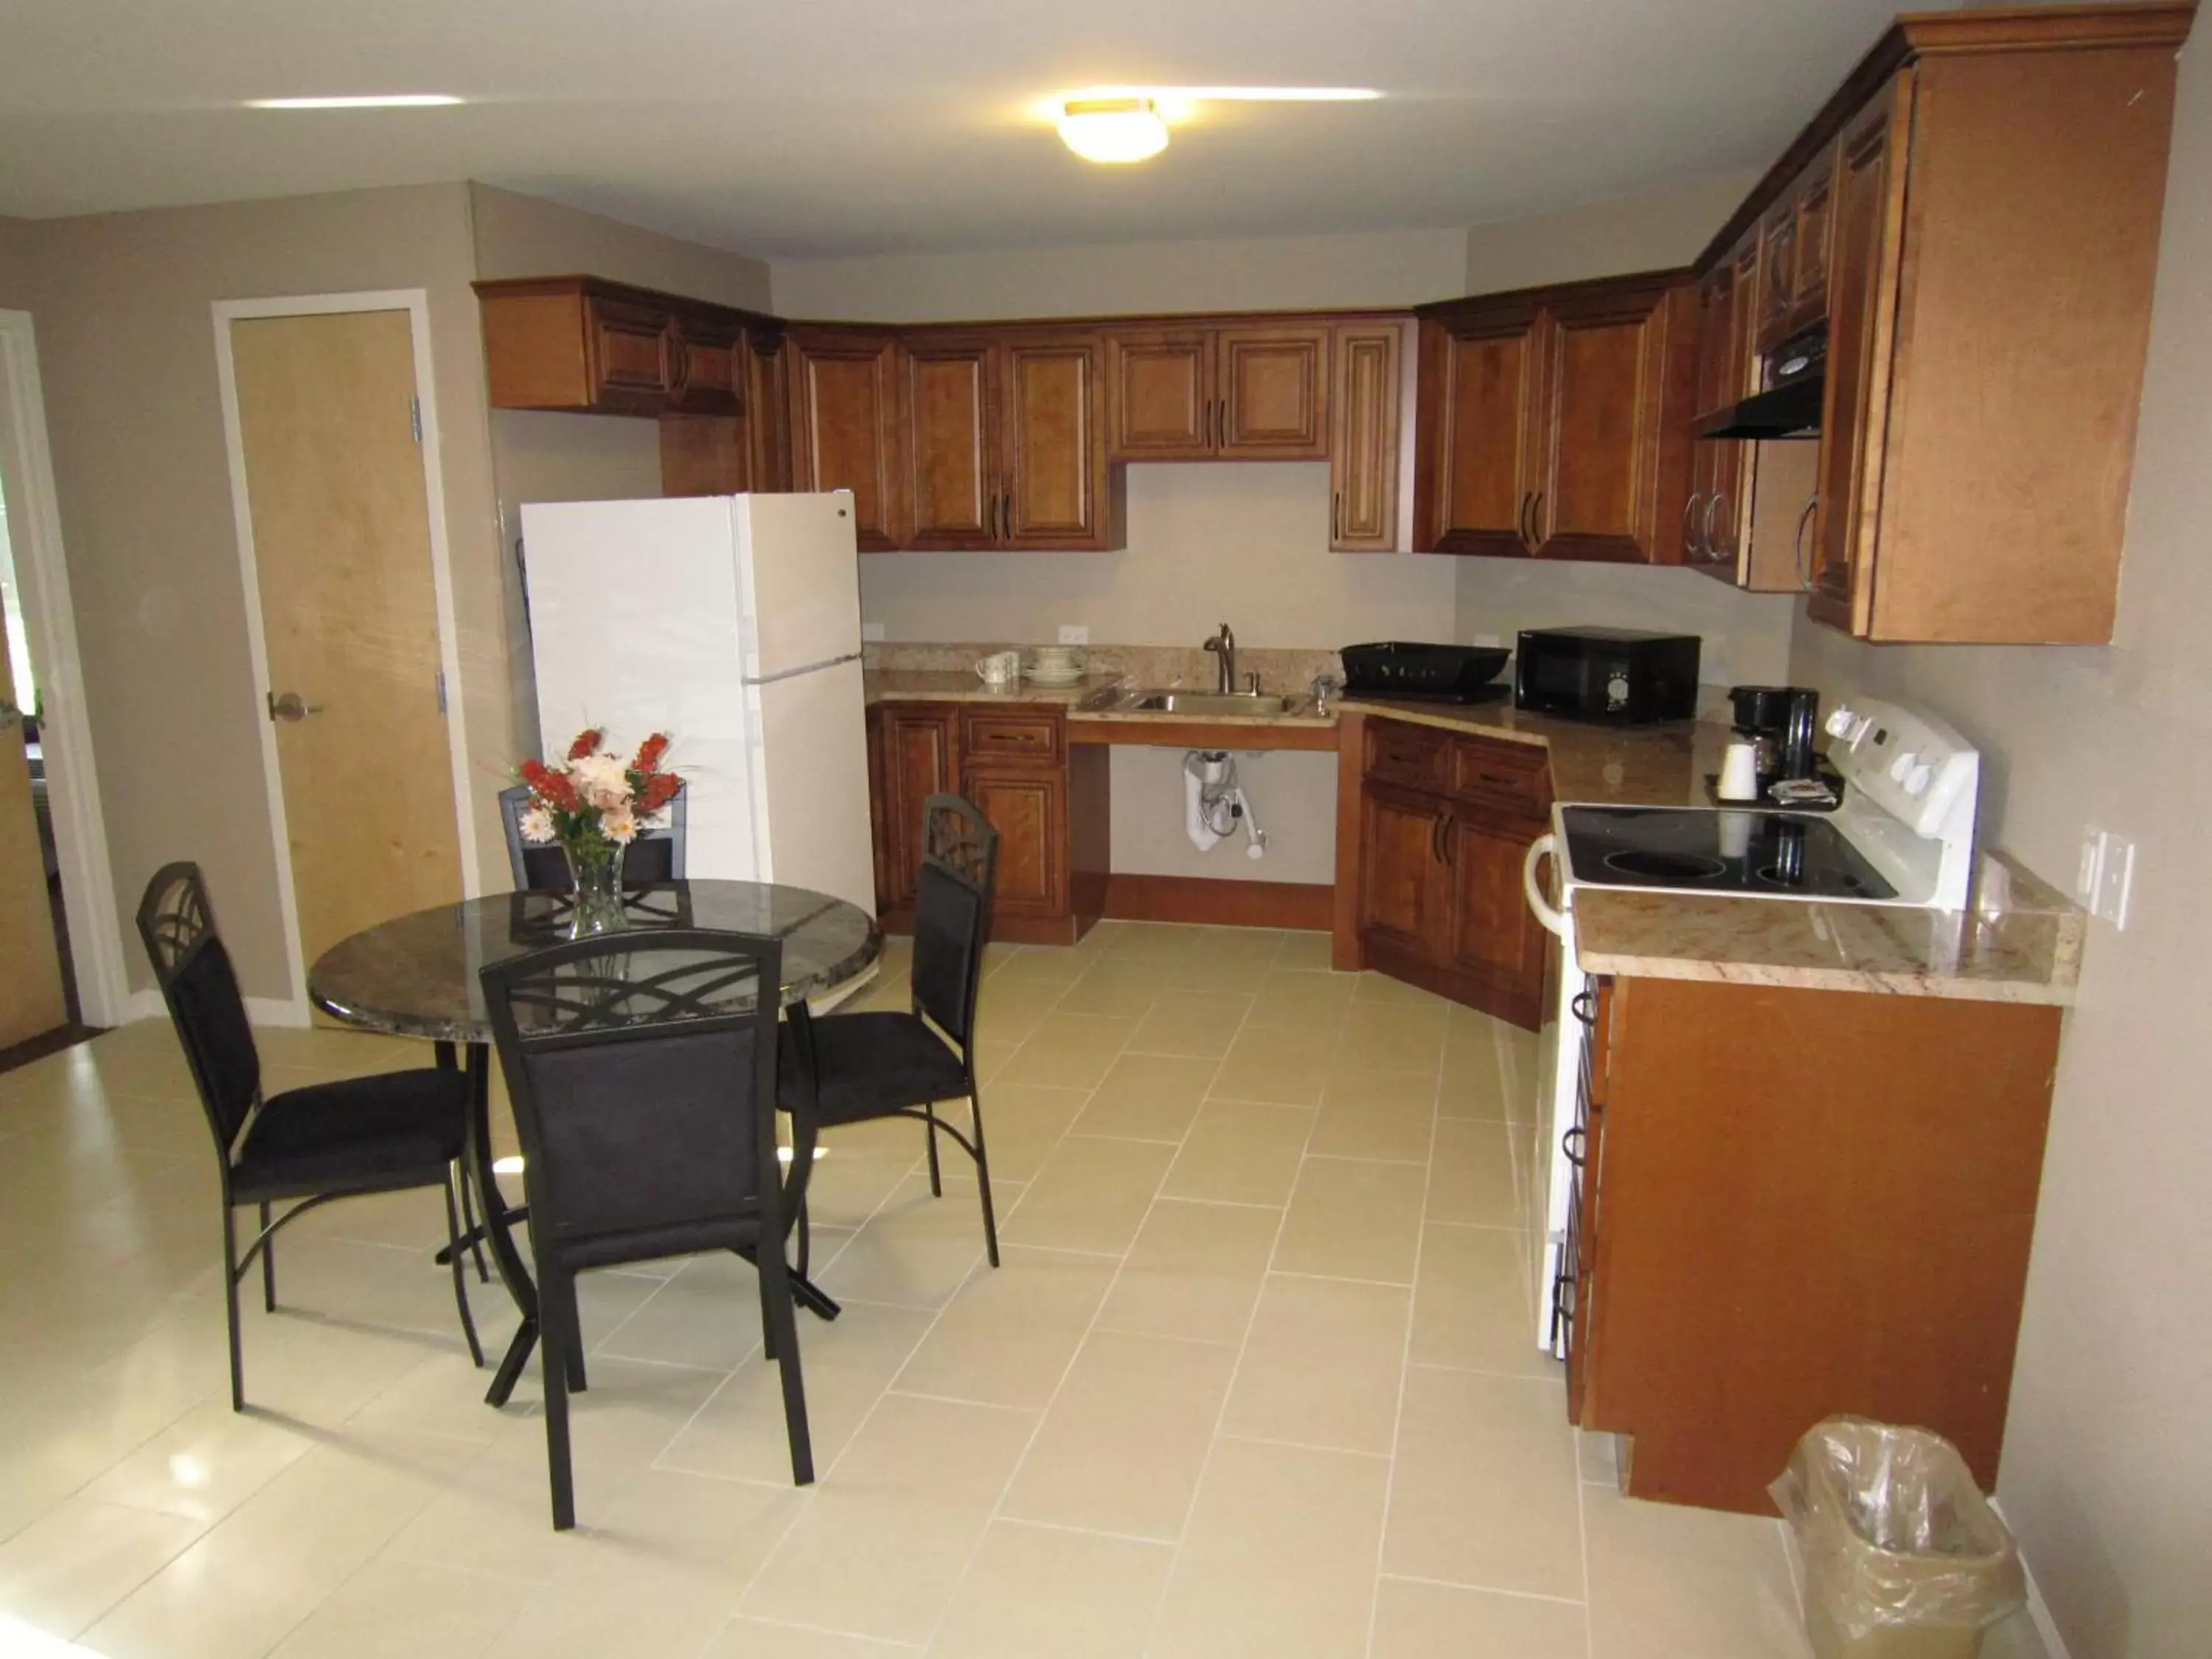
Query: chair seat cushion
x,y
871,1066
363,1133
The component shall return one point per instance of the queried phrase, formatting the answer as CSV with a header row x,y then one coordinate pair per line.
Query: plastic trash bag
x,y
1902,1554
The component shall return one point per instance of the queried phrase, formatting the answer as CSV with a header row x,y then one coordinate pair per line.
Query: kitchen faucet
x,y
1224,646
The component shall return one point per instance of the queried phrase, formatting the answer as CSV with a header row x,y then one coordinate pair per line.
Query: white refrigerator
x,y
732,622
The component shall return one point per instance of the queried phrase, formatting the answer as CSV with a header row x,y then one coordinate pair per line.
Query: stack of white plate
x,y
1055,665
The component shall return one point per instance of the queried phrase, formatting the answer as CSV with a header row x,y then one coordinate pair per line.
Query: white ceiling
x,y
819,127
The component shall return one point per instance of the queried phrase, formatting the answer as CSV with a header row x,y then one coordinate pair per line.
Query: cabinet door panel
x,y
845,427
949,446
1398,876
1273,392
1055,470
1603,398
1162,387
1862,303
918,761
1812,247
708,367
1029,811
1365,419
633,355
1492,933
1478,387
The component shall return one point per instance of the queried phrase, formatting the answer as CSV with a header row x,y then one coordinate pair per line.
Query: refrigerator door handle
x,y
803,668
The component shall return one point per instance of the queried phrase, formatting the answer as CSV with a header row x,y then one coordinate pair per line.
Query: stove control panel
x,y
1911,765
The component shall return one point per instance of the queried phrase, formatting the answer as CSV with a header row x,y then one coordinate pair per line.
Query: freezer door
x,y
798,577
811,773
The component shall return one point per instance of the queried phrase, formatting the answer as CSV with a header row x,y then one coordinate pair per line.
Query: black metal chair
x,y
643,1095
656,854
874,1064
386,1134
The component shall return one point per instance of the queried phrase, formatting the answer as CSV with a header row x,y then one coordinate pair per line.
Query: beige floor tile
x,y
1666,1579
1475,1302
1304,1000
917,1248
843,1190
1486,1493
419,1608
1385,1114
1195,1271
1305,949
1394,1035
879,1547
1070,1050
1153,939
1279,1557
1092,1195
992,1059
205,1467
1006,1338
1035,1590
1227,959
1598,1456
1194,1023
1021,1124
1012,1012
1352,1219
1283,1066
1114,984
707,1314
1241,1152
1471,1175
1381,988
752,1638
1441,1621
1042,964
81,1558
1122,1447
1148,1097
1322,1366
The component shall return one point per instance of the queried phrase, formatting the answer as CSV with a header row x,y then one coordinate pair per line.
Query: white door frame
x,y
416,303
95,928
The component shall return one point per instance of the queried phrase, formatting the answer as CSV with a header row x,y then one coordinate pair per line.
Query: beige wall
x,y
126,344
1660,227
16,236
2107,1471
580,457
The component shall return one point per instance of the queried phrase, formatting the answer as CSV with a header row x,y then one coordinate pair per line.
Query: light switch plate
x,y
1074,634
871,633
2116,879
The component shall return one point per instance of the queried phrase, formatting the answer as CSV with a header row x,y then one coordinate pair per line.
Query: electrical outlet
x,y
2116,878
871,633
1074,634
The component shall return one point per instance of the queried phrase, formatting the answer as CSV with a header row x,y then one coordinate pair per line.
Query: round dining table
x,y
417,975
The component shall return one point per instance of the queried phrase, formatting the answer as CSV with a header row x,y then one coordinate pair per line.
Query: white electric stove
x,y
1903,835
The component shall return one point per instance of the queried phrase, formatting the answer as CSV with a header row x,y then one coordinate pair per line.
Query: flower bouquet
x,y
594,803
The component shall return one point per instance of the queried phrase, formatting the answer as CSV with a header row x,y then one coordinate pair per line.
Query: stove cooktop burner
x,y
1701,850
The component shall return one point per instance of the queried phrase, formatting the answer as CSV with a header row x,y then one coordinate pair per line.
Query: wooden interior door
x,y
1365,419
341,523
1478,389
1273,392
1162,384
844,427
31,999
1599,434
951,445
1053,474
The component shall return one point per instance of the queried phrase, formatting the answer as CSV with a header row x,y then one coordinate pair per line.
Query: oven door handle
x,y
1544,847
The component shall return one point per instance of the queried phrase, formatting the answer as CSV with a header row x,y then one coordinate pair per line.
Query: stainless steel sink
x,y
1247,703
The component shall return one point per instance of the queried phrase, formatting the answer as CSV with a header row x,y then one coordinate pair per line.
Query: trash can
x,y
1903,1558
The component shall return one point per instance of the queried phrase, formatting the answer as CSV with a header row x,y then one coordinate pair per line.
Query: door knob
x,y
291,706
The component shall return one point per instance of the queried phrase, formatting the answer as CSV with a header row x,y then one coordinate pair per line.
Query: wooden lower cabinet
x,y
1800,1203
1049,804
1443,824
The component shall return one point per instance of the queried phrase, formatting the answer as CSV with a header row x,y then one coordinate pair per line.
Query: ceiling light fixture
x,y
1113,129
373,100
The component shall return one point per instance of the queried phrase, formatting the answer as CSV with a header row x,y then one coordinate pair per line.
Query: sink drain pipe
x,y
1214,803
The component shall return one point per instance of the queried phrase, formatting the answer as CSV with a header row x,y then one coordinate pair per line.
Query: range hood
x,y
1790,407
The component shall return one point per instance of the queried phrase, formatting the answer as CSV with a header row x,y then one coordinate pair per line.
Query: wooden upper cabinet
x,y
1365,399
952,443
707,364
1478,405
1055,485
1273,400
845,426
1162,384
580,344
1706,541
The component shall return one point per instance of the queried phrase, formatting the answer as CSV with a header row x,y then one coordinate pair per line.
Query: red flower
x,y
550,787
649,753
659,789
587,742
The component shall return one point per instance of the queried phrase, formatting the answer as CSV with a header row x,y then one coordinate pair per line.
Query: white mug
x,y
1000,669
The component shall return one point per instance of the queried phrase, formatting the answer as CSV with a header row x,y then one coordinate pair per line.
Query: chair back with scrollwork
x,y
657,854
953,893
176,922
641,1067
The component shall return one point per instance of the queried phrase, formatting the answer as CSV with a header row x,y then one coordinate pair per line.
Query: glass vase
x,y
595,873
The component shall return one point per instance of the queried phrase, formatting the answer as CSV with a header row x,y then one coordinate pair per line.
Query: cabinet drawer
x,y
1410,755
1012,737
1510,774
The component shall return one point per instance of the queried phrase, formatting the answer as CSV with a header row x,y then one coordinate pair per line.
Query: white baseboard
x,y
2039,1610
261,1010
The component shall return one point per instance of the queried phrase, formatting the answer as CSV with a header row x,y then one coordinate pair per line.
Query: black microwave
x,y
1620,676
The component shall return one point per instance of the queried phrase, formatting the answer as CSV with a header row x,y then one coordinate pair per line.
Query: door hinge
x,y
441,692
415,417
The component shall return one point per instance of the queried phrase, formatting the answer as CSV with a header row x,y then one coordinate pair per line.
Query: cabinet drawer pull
x,y
1336,516
1583,1006
1805,572
1571,1144
1522,523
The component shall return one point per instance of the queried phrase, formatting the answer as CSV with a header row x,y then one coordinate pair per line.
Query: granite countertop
x,y
1593,765
962,685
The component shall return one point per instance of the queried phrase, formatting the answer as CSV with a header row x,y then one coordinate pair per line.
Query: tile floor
x,y
1254,1378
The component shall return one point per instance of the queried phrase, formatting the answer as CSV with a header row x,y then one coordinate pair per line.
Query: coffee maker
x,y
1781,721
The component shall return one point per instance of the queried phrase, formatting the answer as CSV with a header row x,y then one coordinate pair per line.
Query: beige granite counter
x,y
1594,765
